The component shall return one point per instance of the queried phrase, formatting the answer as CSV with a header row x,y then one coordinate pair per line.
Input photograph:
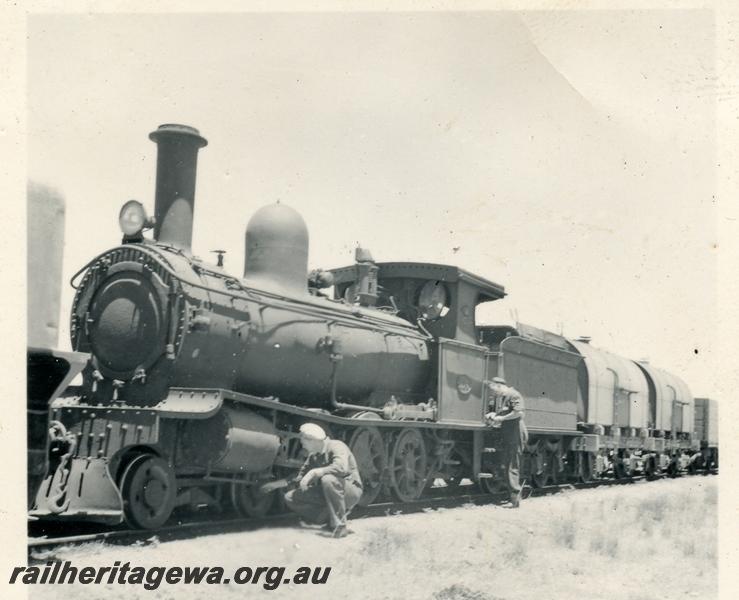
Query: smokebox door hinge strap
x,y
175,324
88,320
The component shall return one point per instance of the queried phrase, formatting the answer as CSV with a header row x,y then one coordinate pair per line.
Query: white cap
x,y
312,431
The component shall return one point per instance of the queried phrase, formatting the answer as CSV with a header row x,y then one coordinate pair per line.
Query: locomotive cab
x,y
439,299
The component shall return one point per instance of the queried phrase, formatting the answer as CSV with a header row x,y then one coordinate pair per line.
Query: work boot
x,y
340,532
312,525
515,500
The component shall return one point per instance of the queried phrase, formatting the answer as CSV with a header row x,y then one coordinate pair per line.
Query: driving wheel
x,y
408,465
369,450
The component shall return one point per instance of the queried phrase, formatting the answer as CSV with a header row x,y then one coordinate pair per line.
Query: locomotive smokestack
x,y
174,204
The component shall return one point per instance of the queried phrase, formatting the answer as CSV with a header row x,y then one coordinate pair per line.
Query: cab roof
x,y
419,270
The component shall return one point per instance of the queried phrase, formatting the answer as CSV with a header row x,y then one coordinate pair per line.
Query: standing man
x,y
329,483
506,406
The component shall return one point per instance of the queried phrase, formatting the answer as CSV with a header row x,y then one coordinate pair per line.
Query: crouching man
x,y
329,483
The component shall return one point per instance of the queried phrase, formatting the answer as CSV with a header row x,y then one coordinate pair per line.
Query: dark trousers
x,y
514,437
328,501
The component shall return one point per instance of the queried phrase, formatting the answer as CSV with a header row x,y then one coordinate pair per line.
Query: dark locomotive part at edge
x,y
198,380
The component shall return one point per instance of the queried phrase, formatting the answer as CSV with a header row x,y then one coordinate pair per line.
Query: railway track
x,y
42,545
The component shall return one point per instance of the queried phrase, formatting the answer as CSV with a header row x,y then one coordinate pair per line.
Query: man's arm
x,y
516,404
304,468
515,413
287,481
271,486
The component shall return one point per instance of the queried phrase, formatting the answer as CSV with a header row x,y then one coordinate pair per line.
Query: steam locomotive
x,y
197,380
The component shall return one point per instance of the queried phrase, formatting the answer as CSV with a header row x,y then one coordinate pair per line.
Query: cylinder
x,y
177,157
238,441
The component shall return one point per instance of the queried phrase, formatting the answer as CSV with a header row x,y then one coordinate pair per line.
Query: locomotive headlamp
x,y
132,218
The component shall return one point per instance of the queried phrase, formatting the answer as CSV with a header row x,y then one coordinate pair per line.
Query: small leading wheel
x,y
149,489
408,466
249,501
368,448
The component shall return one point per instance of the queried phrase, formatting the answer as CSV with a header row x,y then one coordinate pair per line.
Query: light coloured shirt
x,y
336,459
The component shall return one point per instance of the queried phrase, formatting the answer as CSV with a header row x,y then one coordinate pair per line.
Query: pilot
x,y
509,417
329,482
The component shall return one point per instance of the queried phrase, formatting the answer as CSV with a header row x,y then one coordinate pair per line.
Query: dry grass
x,y
384,543
564,531
637,526
461,592
637,542
515,553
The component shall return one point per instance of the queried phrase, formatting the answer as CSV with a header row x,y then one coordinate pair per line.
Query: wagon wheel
x,y
650,467
555,459
673,469
695,465
586,466
542,468
619,468
573,466
368,448
149,489
249,501
408,466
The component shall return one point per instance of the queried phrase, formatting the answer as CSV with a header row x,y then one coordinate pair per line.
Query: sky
x,y
569,156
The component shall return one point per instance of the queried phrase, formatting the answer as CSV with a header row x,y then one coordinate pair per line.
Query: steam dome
x,y
277,250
